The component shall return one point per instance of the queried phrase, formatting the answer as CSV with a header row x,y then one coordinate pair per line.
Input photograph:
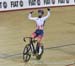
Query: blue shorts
x,y
39,32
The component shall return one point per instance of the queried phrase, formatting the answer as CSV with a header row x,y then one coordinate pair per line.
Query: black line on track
x,y
7,56
17,54
59,46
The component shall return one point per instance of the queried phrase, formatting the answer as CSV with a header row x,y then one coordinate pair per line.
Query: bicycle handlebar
x,y
29,38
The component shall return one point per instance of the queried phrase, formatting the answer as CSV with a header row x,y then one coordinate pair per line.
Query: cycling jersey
x,y
39,21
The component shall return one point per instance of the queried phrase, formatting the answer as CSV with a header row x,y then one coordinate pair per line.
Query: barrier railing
x,y
26,4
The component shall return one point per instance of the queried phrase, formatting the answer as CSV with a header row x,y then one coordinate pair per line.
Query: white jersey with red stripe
x,y
39,21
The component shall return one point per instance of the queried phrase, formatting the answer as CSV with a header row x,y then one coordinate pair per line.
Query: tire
x,y
26,57
38,57
26,49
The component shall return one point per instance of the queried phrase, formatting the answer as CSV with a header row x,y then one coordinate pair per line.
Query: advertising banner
x,y
26,4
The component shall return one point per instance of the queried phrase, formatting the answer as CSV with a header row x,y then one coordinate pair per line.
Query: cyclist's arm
x,y
31,18
48,14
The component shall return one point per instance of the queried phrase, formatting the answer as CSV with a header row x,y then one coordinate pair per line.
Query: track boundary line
x,y
16,54
60,46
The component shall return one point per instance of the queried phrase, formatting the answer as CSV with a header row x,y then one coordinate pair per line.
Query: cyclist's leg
x,y
33,35
38,47
32,46
39,39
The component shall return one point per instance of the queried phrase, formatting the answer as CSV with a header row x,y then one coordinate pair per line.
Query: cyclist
x,y
39,32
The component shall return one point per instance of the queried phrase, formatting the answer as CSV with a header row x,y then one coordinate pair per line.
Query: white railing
x,y
26,4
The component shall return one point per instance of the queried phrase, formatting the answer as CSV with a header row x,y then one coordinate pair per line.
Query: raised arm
x,y
48,14
30,16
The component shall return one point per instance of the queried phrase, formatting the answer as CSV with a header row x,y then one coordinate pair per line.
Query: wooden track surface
x,y
59,38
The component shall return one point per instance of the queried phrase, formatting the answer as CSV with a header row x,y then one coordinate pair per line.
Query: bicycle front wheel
x,y
26,49
26,55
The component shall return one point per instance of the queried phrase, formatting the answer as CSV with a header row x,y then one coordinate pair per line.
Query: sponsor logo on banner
x,y
25,4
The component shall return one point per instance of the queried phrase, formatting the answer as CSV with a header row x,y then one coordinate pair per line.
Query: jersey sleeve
x,y
32,18
47,15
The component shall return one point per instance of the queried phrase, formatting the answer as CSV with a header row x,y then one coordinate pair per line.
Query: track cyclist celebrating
x,y
39,32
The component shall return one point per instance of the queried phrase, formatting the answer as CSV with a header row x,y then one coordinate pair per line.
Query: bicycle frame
x,y
29,48
31,41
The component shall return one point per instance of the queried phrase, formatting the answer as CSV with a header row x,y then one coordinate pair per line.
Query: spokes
x,y
26,54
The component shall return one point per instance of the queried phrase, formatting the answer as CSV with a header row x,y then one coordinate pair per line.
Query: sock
x,y
40,50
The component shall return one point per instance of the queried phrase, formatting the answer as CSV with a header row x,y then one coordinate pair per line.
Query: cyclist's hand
x,y
48,9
